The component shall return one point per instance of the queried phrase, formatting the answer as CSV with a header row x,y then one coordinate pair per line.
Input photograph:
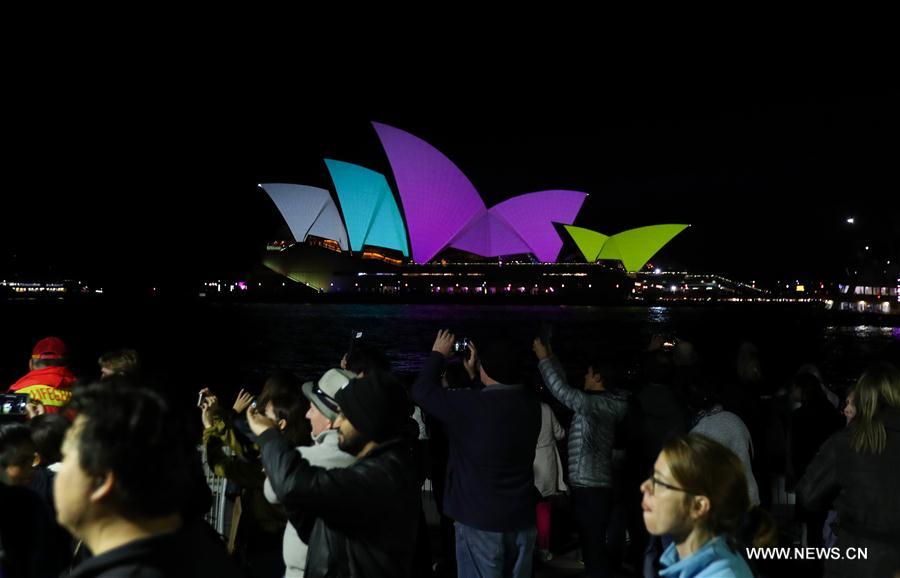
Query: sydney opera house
x,y
436,235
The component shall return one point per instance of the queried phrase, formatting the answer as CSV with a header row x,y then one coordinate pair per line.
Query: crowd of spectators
x,y
672,471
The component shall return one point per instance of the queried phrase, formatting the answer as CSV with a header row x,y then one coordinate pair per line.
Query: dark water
x,y
225,346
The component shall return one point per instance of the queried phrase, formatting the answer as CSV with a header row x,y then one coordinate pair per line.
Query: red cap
x,y
49,348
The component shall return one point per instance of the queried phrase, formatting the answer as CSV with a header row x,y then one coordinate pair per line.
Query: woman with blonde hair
x,y
697,494
856,470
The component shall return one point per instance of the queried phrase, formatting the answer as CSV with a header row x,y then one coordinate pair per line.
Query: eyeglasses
x,y
654,482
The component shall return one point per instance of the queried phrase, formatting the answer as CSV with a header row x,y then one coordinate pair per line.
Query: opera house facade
x,y
436,235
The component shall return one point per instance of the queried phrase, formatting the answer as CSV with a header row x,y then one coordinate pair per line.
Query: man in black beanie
x,y
493,434
360,520
374,410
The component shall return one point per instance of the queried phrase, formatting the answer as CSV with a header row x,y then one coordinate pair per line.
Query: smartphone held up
x,y
14,404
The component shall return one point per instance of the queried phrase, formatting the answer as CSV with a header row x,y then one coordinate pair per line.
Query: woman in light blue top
x,y
698,495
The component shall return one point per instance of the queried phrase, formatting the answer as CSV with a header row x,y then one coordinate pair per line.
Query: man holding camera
x,y
493,434
359,520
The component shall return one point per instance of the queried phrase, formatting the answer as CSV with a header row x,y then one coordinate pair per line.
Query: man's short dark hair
x,y
456,376
368,359
47,433
601,366
134,434
16,447
121,361
501,360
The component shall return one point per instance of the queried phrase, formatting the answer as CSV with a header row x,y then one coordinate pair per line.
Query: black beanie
x,y
376,407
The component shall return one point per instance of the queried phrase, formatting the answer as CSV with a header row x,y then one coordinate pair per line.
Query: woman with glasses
x,y
697,494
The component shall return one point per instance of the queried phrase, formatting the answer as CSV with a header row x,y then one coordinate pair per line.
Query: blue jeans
x,y
483,554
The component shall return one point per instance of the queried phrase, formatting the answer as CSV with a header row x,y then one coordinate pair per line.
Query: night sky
x,y
148,185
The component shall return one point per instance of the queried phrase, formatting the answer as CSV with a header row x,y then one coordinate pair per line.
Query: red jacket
x,y
51,386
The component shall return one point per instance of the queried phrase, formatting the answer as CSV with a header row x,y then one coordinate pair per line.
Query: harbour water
x,y
229,345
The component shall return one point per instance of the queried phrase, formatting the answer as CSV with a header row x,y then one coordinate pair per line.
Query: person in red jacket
x,y
49,381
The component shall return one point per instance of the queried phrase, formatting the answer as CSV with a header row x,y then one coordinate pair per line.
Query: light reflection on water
x,y
862,331
658,315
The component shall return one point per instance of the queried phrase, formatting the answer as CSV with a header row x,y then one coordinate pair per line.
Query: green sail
x,y
589,242
637,246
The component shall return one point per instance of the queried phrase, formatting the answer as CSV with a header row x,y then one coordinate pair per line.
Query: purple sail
x,y
532,216
438,199
443,208
489,235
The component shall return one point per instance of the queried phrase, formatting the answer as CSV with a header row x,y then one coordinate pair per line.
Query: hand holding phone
x,y
205,398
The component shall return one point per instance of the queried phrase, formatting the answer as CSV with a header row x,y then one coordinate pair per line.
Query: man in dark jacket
x,y
490,482
125,480
360,520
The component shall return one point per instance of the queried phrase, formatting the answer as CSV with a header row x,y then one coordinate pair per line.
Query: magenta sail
x,y
490,236
532,216
438,199
443,208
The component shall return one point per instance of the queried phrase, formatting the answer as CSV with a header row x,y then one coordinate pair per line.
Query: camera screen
x,y
14,404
